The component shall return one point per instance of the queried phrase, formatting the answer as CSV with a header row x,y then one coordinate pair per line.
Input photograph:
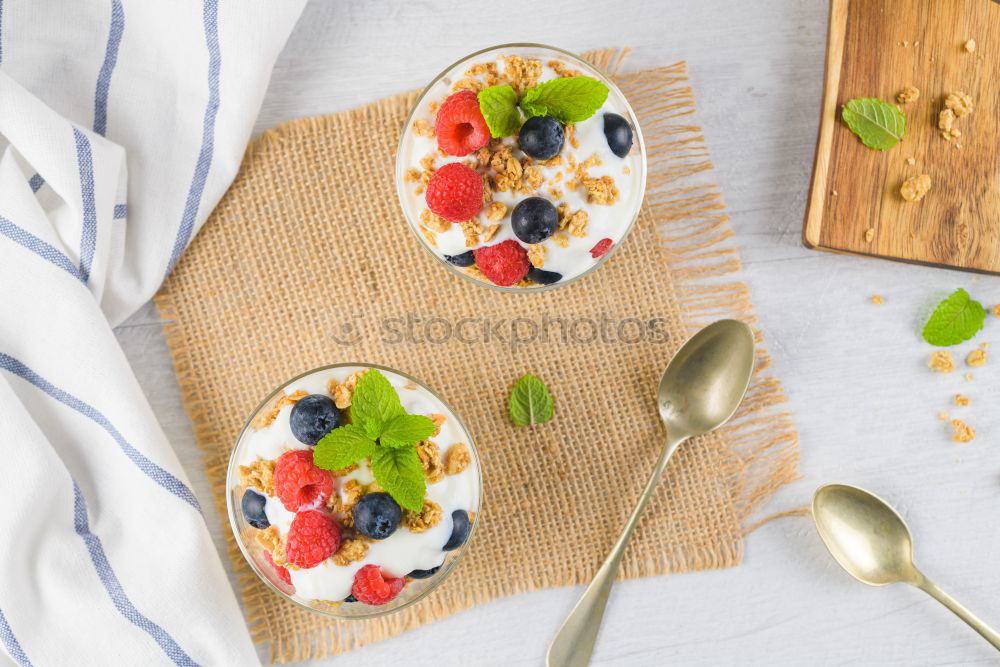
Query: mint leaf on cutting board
x,y
877,123
955,320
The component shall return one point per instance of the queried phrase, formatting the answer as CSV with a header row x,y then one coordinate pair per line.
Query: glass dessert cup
x,y
258,557
440,86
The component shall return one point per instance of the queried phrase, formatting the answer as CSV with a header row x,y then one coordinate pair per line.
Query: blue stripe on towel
x,y
36,182
211,18
11,643
121,211
39,247
88,235
153,471
110,58
114,587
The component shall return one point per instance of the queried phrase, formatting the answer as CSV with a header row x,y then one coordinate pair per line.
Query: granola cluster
x,y
259,475
267,416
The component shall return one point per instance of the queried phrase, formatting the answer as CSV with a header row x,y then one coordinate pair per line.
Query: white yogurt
x,y
606,221
403,551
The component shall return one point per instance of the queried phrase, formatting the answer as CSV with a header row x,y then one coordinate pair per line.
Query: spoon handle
x,y
574,643
974,622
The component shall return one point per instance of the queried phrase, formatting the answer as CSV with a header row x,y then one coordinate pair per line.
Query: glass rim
x,y
400,168
377,611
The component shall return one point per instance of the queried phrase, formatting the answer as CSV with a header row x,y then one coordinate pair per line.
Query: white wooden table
x,y
865,404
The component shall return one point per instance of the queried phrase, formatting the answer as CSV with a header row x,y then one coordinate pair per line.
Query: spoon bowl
x,y
705,381
871,541
864,534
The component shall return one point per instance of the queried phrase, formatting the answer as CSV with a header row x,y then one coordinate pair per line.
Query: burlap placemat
x,y
306,261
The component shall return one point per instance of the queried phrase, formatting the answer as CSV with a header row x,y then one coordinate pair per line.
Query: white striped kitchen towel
x,y
122,122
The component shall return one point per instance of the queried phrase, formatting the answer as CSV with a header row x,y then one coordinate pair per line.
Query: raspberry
x,y
298,483
600,248
504,263
460,126
373,587
455,192
313,536
283,573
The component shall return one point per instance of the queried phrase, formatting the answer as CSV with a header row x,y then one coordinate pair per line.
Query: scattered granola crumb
x,y
270,539
571,138
422,128
576,223
457,458
412,175
521,73
353,491
438,422
962,400
834,193
560,239
946,119
471,229
915,187
941,361
601,191
265,417
877,299
430,460
963,432
968,377
996,310
969,46
433,221
960,103
536,255
908,94
351,550
869,234
428,517
490,232
342,392
259,475
496,211
976,358
911,161
943,415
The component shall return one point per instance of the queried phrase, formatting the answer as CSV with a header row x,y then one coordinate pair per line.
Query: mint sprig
x,y
567,99
530,402
877,123
380,430
955,320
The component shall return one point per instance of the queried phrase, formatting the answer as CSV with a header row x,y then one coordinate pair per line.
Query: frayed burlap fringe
x,y
746,462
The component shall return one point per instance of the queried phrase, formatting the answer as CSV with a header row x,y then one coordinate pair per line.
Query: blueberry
x,y
425,574
541,137
543,277
465,259
618,133
313,417
377,515
253,509
459,531
350,598
534,219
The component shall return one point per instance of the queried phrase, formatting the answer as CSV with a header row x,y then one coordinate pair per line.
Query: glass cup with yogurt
x,y
420,549
594,182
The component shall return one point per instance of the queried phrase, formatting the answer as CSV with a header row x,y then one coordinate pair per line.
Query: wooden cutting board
x,y
875,48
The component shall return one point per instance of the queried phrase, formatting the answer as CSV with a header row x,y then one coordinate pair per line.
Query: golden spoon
x,y
871,541
700,390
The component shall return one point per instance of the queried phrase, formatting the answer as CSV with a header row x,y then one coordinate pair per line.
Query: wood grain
x,y
876,48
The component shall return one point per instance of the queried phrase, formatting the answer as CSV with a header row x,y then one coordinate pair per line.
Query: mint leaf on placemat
x,y
567,99
374,403
878,124
499,107
398,471
405,430
956,319
530,402
342,447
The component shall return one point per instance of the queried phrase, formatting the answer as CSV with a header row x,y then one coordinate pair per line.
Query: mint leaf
x,y
405,430
956,319
530,402
343,446
398,471
499,107
567,99
878,124
374,403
